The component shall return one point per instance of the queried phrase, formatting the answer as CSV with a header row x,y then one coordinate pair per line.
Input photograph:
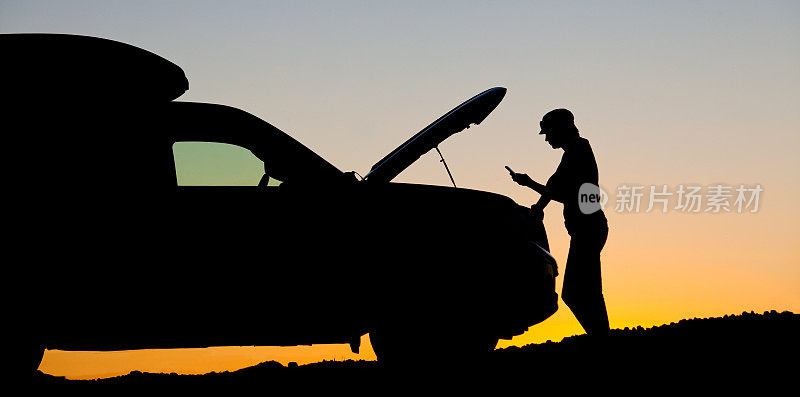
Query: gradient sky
x,y
667,92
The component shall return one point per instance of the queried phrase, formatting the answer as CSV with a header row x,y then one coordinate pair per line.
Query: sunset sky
x,y
699,93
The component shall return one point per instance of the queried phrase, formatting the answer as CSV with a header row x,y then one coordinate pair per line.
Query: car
x,y
114,251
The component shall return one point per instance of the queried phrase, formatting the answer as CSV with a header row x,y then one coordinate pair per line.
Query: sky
x,y
675,93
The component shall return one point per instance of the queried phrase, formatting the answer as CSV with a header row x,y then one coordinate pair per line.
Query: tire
x,y
404,348
391,348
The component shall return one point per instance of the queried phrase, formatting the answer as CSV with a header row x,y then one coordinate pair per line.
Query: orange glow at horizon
x,y
92,365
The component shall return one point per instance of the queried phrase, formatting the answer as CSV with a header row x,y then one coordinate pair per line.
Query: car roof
x,y
107,100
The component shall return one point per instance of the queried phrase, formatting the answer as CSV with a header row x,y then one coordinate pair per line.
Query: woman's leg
x,y
583,286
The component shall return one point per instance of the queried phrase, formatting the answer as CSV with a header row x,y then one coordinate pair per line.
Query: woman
x,y
587,226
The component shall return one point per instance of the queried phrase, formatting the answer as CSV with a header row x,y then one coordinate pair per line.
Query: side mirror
x,y
264,181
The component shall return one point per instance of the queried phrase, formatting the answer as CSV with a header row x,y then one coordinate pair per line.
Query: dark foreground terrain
x,y
753,347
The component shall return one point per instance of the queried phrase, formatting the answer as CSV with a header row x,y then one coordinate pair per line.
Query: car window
x,y
217,164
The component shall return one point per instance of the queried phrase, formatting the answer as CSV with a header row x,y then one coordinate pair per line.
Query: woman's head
x,y
558,127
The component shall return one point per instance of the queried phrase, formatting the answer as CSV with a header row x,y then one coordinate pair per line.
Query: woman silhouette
x,y
588,228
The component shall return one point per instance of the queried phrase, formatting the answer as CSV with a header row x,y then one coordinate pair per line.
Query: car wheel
x,y
394,348
470,350
404,348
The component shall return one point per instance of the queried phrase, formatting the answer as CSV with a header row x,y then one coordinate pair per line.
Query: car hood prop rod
x,y
446,167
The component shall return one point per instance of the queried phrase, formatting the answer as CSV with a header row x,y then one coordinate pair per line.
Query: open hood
x,y
473,111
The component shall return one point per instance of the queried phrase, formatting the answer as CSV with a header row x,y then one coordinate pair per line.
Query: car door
x,y
253,262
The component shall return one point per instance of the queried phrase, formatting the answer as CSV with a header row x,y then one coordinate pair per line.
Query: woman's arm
x,y
538,208
546,195
549,192
525,180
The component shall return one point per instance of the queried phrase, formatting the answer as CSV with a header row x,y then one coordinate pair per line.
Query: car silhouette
x,y
113,252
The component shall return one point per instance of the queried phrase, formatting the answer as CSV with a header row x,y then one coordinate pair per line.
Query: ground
x,y
740,349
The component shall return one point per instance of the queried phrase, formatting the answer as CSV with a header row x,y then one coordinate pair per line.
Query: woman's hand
x,y
537,211
522,179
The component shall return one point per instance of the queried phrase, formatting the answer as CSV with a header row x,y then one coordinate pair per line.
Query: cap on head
x,y
557,119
